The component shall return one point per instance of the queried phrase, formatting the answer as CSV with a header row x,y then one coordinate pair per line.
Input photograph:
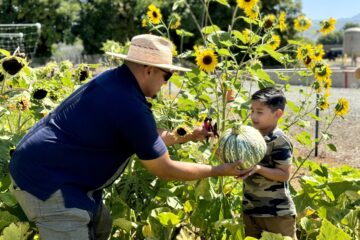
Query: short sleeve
x,y
282,151
140,133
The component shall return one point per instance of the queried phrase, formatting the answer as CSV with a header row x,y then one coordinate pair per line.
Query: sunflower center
x,y
268,23
181,131
207,60
322,72
247,1
307,60
155,15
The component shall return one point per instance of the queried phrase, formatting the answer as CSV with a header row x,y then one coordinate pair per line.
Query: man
x,y
61,166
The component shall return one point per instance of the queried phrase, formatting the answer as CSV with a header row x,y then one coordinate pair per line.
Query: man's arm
x,y
165,168
198,134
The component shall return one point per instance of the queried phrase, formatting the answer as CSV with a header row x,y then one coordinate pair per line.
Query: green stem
x,y
311,151
9,123
195,21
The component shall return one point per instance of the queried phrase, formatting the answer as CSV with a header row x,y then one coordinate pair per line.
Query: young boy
x,y
267,203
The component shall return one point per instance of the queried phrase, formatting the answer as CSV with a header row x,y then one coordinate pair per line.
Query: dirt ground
x,y
346,132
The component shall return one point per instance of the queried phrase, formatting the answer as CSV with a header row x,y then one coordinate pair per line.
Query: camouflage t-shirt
x,y
264,197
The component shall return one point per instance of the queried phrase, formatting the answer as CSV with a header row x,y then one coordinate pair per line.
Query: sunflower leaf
x,y
210,29
183,33
224,52
223,2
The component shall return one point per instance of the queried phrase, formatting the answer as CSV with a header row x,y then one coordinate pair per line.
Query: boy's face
x,y
263,118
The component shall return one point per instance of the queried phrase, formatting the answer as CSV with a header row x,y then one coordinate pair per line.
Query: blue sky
x,y
321,9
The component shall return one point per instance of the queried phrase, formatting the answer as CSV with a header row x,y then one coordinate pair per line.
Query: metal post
x,y
346,80
317,112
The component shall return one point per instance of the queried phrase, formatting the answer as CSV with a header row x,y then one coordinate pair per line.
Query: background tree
x,y
101,20
350,25
56,18
335,37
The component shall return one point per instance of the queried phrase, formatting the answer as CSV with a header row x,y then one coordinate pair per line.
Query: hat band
x,y
150,55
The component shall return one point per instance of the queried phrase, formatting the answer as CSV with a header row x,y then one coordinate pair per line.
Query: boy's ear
x,y
279,113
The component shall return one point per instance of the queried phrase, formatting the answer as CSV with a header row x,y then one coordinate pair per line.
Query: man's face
x,y
157,77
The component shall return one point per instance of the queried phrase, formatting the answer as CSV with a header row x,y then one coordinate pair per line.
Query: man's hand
x,y
233,169
200,134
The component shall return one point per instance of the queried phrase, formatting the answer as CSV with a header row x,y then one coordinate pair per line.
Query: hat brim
x,y
164,66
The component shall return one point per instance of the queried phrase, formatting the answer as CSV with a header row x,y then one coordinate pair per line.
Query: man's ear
x,y
279,113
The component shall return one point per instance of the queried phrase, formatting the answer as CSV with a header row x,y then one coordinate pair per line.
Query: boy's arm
x,y
280,173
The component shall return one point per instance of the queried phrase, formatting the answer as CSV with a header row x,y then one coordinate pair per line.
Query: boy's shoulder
x,y
278,139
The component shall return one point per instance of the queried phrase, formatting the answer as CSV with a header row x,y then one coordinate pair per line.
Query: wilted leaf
x,y
16,231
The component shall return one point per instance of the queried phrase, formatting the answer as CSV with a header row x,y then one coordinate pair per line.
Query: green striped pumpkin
x,y
242,143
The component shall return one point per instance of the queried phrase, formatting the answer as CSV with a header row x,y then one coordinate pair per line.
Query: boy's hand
x,y
249,172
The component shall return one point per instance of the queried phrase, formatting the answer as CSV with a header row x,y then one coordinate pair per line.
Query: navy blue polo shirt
x,y
85,143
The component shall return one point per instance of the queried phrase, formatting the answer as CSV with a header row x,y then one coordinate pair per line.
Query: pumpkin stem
x,y
236,128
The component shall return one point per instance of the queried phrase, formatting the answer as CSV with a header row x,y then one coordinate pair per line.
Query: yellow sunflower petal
x,y
282,21
342,107
302,23
246,4
206,60
327,26
154,14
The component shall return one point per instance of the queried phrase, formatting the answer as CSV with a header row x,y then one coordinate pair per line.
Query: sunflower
x,y
274,42
206,60
24,104
246,4
154,14
342,107
174,51
282,21
253,12
181,131
269,20
322,71
327,26
144,22
303,51
327,84
247,33
324,101
175,21
302,23
249,37
319,52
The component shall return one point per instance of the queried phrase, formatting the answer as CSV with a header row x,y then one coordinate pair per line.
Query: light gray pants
x,y
55,222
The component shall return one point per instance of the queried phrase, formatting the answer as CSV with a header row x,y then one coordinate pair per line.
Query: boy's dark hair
x,y
272,97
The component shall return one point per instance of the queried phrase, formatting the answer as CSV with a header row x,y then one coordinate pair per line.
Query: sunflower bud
x,y
39,94
181,131
83,75
12,65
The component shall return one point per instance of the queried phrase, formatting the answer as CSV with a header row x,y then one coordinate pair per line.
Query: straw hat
x,y
150,50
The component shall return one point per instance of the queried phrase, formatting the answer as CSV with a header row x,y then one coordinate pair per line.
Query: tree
x,y
56,18
350,25
101,20
335,37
